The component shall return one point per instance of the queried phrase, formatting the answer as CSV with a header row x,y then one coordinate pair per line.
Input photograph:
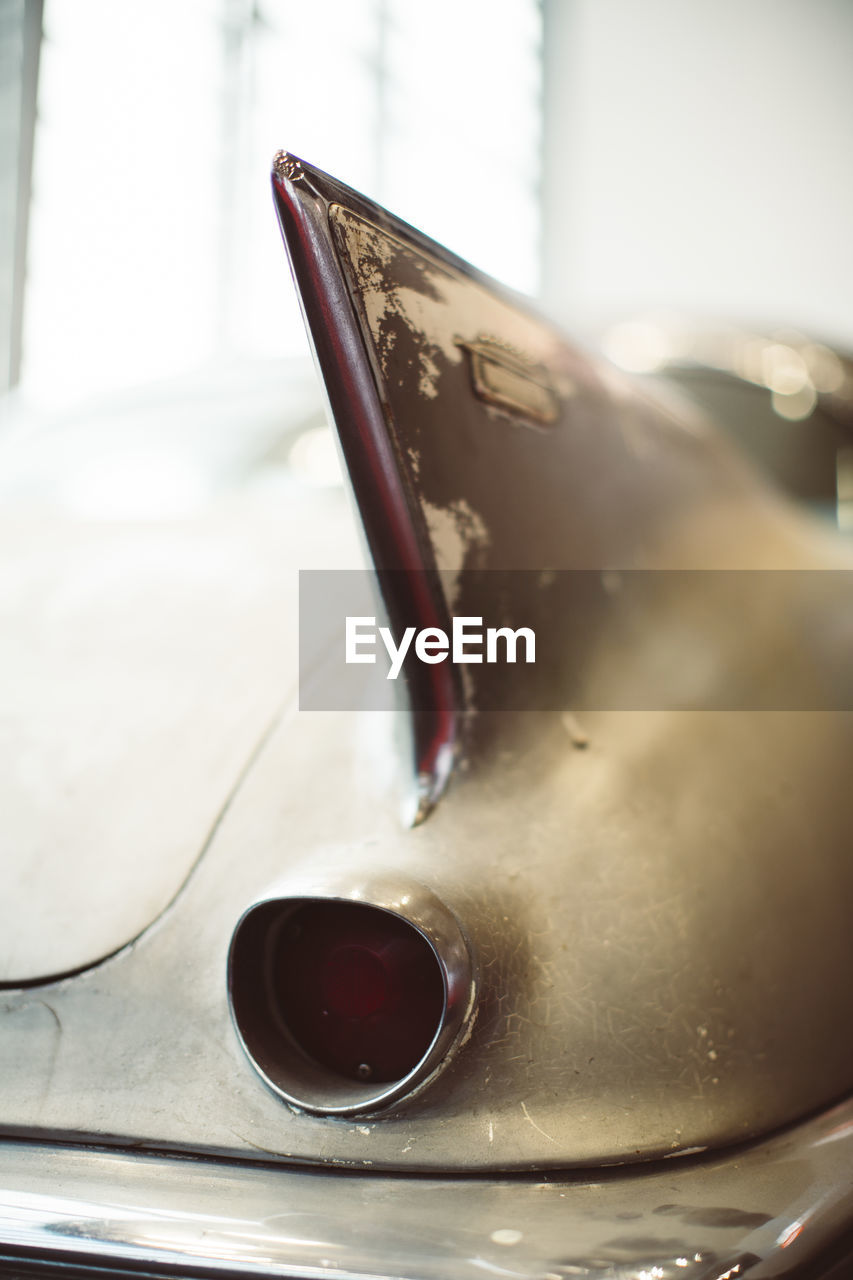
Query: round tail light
x,y
359,990
344,1006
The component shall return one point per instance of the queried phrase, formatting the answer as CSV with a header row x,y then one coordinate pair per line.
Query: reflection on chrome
x,y
777,1202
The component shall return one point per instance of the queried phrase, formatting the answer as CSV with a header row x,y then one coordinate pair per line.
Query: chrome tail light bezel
x,y
281,1061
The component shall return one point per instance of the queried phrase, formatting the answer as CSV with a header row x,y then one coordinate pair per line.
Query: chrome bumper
x,y
775,1208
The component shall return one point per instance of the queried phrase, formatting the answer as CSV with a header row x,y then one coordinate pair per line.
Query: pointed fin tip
x,y
284,165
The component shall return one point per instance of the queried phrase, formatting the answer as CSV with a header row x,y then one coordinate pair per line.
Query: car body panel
x,y
630,1003
655,901
122,638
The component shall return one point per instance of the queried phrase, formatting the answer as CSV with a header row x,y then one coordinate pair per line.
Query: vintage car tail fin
x,y
490,457
310,205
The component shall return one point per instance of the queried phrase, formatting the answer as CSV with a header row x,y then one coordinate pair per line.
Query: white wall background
x,y
699,156
153,249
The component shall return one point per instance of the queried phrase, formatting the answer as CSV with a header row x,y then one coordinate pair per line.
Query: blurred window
x,y
153,249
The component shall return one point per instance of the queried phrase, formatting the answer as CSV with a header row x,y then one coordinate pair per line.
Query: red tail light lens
x,y
359,990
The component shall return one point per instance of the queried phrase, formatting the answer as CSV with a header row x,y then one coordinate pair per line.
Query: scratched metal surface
x,y
630,1003
770,1210
658,903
